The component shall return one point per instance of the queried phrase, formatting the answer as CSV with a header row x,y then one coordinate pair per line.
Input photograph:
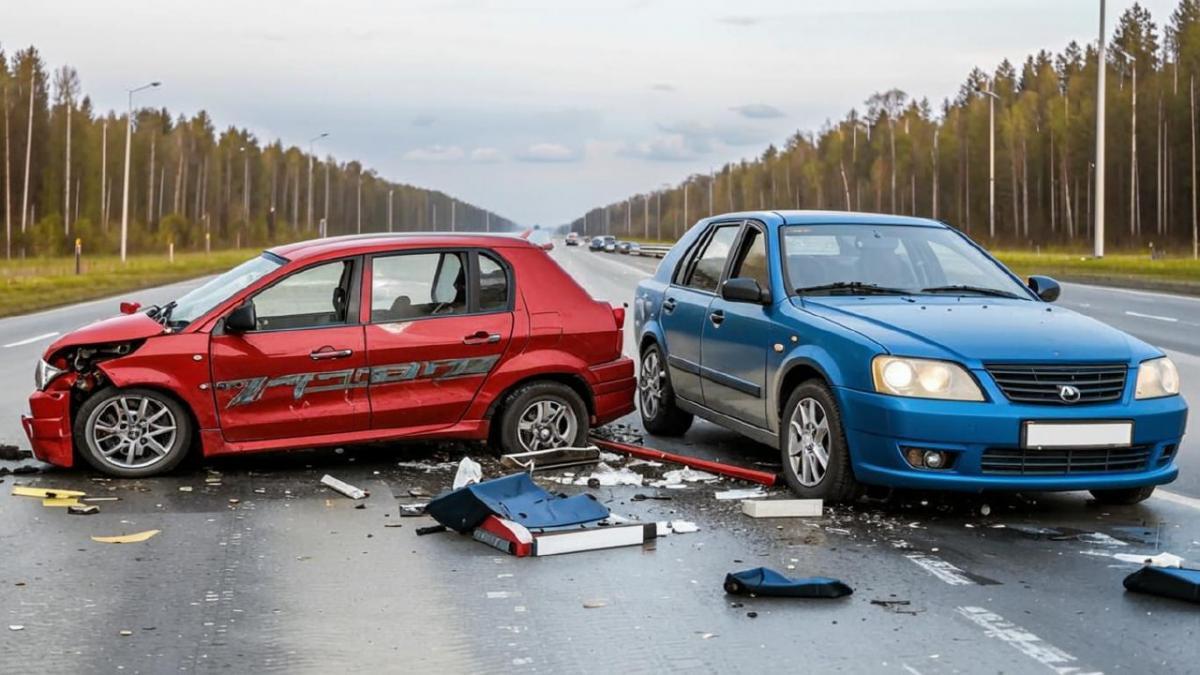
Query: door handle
x,y
325,353
668,305
481,338
717,317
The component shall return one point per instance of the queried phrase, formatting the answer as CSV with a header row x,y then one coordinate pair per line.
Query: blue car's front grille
x,y
1016,461
1044,383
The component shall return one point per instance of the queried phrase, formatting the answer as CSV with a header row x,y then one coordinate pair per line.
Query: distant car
x,y
596,244
635,248
339,341
610,244
623,247
894,351
573,239
541,239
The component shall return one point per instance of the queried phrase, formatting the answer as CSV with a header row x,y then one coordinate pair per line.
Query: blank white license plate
x,y
1040,435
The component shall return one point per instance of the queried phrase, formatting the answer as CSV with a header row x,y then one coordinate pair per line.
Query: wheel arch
x,y
571,380
194,442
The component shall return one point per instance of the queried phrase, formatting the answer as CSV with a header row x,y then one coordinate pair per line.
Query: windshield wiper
x,y
965,288
163,313
854,287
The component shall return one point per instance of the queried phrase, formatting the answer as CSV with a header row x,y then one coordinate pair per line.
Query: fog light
x,y
934,460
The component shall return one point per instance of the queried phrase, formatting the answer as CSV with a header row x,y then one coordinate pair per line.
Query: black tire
x,y
667,419
1124,496
143,433
837,483
519,403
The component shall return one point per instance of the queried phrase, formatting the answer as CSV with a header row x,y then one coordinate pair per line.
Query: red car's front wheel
x,y
132,433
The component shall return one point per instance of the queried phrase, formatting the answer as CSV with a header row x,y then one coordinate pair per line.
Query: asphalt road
x,y
257,568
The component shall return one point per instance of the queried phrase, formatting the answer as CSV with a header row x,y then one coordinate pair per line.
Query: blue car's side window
x,y
705,272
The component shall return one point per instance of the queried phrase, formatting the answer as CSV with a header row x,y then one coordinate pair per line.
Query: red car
x,y
340,341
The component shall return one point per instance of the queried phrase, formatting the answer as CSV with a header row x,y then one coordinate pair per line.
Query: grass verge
x,y
40,283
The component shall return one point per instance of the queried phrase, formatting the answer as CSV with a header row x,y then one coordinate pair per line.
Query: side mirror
x,y
1045,288
742,289
242,320
130,307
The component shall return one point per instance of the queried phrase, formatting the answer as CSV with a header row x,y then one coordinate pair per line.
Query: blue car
x,y
894,351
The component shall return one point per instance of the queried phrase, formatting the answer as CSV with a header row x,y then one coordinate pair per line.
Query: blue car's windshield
x,y
196,303
890,259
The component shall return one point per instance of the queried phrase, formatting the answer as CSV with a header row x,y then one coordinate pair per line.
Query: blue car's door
x,y
735,339
685,308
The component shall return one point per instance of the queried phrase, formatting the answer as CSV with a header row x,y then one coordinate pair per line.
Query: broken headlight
x,y
44,374
1157,378
924,378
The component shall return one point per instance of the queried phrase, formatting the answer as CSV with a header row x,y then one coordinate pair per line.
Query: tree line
x,y
902,155
62,178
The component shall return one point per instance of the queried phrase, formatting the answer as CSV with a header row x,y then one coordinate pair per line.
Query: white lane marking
x,y
629,266
1176,498
1168,319
941,569
36,338
1021,639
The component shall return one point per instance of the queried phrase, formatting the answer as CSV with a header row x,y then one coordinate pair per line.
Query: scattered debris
x,y
469,471
13,453
125,633
1163,559
234,501
676,527
517,540
393,525
83,510
606,476
15,627
555,458
620,433
417,492
639,497
752,615
897,606
135,538
99,499
427,467
763,581
743,493
343,488
413,510
594,604
741,473
516,498
44,493
678,477
61,502
185,488
430,529
782,508
1181,584
25,470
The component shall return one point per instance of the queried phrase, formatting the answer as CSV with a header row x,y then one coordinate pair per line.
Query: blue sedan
x,y
894,351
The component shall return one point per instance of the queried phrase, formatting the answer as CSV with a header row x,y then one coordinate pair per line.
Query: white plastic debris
x,y
1101,539
469,471
343,487
609,477
682,526
1163,559
743,493
610,457
427,467
684,475
783,508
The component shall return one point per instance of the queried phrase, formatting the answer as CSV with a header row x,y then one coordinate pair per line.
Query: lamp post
x,y
1100,63
245,187
311,159
991,159
128,151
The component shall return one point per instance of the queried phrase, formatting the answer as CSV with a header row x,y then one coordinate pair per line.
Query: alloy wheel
x,y
809,441
650,384
547,423
133,432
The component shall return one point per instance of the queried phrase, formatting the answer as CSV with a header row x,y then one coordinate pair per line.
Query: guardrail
x,y
654,251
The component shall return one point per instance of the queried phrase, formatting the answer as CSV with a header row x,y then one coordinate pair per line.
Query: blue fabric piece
x,y
766,582
516,498
1169,582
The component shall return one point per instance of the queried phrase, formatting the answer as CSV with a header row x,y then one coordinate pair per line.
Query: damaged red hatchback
x,y
340,341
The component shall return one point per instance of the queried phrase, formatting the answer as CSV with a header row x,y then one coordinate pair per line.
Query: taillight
x,y
619,317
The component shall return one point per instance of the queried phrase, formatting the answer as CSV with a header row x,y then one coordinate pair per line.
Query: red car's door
x,y
303,371
439,322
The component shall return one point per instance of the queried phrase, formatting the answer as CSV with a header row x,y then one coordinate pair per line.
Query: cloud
x,y
702,136
662,86
435,153
668,148
740,20
758,111
424,120
486,155
548,152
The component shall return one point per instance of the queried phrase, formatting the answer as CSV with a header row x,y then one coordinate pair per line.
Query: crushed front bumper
x,y
48,425
984,441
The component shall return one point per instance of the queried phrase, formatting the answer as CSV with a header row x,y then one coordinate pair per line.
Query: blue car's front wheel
x,y
816,458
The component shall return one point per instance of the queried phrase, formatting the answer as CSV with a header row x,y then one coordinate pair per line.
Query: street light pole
x,y
128,152
1133,166
991,159
245,187
1098,250
311,159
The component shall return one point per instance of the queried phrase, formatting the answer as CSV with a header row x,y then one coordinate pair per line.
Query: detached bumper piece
x,y
1168,582
766,582
514,539
516,498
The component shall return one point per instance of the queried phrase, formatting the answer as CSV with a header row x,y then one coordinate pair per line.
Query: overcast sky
x,y
538,109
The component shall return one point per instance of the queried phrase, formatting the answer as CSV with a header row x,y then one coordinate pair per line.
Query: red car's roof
x,y
382,241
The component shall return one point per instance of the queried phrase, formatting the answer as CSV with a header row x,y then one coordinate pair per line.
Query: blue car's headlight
x,y
924,378
1157,378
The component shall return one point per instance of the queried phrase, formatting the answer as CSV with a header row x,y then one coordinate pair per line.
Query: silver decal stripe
x,y
252,389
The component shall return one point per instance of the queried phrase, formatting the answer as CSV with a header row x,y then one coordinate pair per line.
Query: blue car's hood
x,y
978,329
